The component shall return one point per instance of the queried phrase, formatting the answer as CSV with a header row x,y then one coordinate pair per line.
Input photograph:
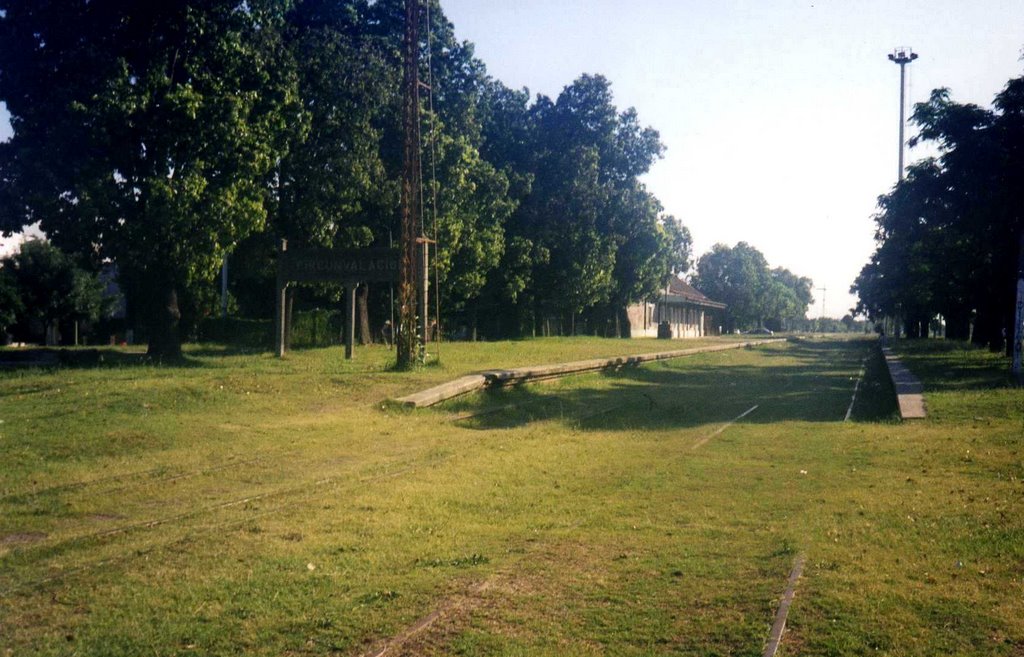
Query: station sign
x,y
304,265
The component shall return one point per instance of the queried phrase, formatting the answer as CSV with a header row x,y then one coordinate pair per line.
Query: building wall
x,y
687,321
641,320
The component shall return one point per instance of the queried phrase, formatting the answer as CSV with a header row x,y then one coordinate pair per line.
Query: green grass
x,y
240,504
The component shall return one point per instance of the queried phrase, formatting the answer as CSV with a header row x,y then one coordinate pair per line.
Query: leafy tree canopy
x,y
163,137
40,284
756,296
144,133
948,234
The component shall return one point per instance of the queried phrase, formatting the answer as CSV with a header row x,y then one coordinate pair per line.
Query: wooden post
x,y
289,299
1018,327
350,319
280,311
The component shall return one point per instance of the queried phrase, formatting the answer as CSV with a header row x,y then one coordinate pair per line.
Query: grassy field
x,y
239,504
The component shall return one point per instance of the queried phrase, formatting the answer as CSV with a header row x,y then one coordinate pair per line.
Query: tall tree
x,y
51,288
649,247
756,296
788,298
331,187
10,302
947,236
144,134
582,206
736,276
339,185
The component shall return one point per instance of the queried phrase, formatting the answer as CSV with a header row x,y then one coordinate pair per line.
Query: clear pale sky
x,y
780,117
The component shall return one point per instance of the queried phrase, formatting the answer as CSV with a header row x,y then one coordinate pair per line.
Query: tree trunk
x,y
958,325
163,318
912,327
1006,332
984,326
363,312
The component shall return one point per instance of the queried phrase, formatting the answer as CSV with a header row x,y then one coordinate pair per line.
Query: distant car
x,y
759,331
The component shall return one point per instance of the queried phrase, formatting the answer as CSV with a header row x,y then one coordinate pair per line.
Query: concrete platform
x,y
519,375
909,389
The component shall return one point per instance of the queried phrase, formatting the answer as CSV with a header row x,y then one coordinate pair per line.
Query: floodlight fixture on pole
x,y
902,56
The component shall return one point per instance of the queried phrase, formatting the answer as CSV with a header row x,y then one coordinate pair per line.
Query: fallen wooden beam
x,y
519,375
440,393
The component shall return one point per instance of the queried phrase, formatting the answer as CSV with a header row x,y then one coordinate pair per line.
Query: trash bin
x,y
664,331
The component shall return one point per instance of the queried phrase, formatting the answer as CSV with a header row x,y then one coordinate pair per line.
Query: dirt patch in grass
x,y
21,538
516,606
431,634
105,516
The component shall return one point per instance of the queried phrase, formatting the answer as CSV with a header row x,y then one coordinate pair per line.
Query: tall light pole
x,y
902,56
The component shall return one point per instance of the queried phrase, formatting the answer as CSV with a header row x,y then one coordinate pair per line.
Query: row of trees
x,y
162,137
949,235
756,295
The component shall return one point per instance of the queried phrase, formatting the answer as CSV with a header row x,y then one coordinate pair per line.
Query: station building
x,y
685,311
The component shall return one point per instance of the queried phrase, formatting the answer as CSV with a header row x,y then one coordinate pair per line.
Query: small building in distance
x,y
687,311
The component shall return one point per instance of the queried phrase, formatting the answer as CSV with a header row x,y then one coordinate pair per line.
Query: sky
x,y
780,117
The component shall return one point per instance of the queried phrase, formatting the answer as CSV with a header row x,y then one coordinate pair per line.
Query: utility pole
x,y
902,56
410,200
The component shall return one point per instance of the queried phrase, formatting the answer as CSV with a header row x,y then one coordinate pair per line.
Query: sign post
x,y
350,319
1018,326
346,266
280,300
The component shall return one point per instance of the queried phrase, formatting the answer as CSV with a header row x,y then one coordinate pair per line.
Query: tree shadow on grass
x,y
814,385
947,366
54,358
216,350
118,357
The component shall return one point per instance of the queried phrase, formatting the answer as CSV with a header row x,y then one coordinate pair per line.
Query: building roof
x,y
680,292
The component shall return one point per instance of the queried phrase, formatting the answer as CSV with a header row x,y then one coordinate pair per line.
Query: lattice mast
x,y
411,228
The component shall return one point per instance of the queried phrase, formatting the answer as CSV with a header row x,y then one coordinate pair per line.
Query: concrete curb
x,y
519,375
909,389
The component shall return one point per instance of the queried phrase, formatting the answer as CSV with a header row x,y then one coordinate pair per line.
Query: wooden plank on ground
x,y
447,390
